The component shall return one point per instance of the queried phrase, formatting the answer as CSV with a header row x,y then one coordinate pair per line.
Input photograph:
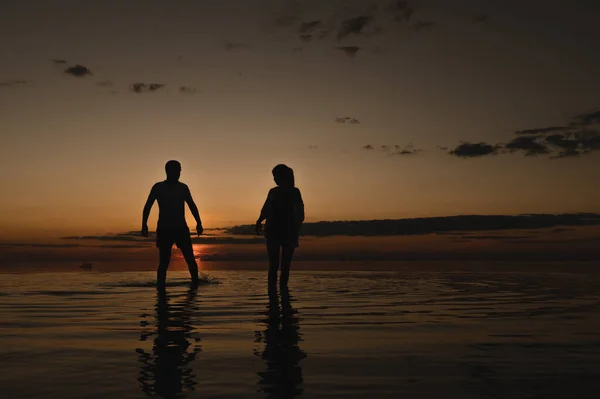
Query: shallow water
x,y
337,334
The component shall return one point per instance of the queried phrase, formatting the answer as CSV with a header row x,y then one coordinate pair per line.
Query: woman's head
x,y
283,175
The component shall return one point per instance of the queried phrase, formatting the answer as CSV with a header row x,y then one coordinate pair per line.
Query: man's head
x,y
173,169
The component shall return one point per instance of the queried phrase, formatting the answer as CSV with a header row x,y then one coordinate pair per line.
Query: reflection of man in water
x,y
283,376
166,371
172,228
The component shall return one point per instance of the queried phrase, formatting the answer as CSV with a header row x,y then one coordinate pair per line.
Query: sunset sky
x,y
368,101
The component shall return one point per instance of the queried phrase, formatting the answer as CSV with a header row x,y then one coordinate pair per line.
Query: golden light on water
x,y
199,250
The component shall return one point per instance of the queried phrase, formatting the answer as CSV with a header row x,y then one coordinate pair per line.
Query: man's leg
x,y
188,254
164,254
273,249
286,259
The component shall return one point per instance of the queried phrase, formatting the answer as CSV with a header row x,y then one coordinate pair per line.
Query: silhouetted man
x,y
172,228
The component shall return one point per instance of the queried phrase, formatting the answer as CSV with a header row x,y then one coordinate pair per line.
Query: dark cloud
x,y
368,147
187,90
350,51
530,145
309,27
574,144
424,25
559,144
478,19
13,83
347,119
105,83
470,150
588,139
58,61
579,121
285,20
563,141
586,119
146,87
297,49
306,37
573,140
78,71
353,26
437,225
385,148
313,147
377,31
568,154
401,10
231,46
542,130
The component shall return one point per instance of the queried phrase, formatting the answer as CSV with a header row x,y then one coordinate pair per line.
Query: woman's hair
x,y
283,175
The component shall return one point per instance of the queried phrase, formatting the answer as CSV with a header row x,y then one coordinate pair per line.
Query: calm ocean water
x,y
336,335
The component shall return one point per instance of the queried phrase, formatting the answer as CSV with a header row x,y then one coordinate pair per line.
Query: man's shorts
x,y
168,237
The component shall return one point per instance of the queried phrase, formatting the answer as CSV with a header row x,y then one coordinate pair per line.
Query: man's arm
x,y
146,212
194,209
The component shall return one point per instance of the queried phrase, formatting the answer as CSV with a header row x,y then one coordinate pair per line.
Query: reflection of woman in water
x,y
284,212
283,376
166,371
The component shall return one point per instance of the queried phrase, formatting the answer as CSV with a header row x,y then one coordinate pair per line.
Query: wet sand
x,y
337,334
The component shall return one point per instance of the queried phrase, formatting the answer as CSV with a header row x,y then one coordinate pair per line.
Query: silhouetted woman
x,y
282,378
284,212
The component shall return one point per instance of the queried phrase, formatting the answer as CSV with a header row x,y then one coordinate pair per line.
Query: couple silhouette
x,y
283,212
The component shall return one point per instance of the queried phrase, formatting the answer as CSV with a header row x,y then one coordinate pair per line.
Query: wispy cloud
x,y
105,83
353,26
542,130
350,51
401,11
530,145
586,119
187,90
146,87
309,27
347,119
423,25
233,46
13,83
408,150
481,18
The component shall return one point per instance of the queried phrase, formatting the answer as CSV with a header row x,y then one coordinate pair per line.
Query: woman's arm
x,y
298,209
264,210
263,213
